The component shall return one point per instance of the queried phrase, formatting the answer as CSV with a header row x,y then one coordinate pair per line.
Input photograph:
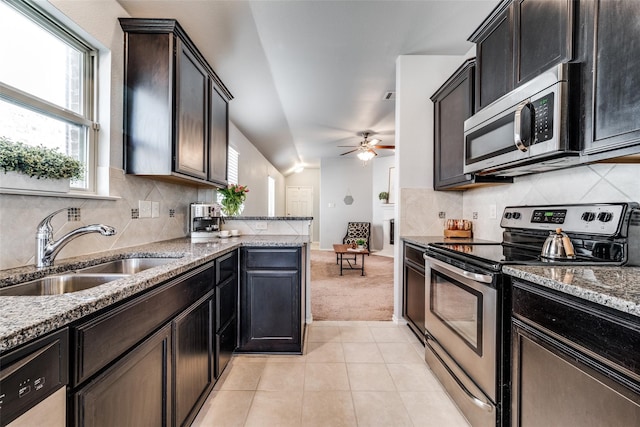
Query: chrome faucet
x,y
47,248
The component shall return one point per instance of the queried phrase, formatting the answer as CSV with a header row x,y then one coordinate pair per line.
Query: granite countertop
x,y
27,317
613,287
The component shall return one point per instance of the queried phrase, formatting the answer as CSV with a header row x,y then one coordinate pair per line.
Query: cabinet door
x,y
543,36
191,115
611,77
135,391
453,104
226,342
193,353
270,315
218,137
494,74
226,302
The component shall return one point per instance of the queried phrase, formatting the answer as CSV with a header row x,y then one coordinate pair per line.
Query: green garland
x,y
39,162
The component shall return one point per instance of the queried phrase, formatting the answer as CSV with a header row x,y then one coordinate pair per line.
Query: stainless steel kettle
x,y
558,246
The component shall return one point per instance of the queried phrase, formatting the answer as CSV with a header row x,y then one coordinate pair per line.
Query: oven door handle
x,y
484,278
475,400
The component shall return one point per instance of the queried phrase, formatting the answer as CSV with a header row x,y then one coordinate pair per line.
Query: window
x,y
47,93
232,169
271,185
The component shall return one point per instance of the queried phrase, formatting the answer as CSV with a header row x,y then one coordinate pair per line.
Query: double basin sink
x,y
85,278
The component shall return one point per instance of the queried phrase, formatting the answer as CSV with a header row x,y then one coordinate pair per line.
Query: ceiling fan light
x,y
366,155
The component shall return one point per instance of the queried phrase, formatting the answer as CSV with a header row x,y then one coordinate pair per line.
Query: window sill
x,y
70,195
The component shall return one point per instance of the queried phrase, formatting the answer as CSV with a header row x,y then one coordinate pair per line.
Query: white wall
x,y
339,177
309,178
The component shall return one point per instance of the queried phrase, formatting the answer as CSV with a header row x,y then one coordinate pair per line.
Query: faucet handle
x,y
45,224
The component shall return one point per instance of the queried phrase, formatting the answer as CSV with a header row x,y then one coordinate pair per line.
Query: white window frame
x,y
271,196
88,116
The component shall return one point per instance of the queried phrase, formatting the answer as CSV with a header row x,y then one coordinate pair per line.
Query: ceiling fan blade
x,y
357,149
348,146
389,147
374,141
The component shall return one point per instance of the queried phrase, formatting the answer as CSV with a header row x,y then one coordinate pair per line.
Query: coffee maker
x,y
204,220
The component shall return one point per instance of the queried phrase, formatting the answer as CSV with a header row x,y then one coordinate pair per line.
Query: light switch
x,y
492,211
155,209
261,225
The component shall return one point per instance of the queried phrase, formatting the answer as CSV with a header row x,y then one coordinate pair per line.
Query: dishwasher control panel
x,y
32,373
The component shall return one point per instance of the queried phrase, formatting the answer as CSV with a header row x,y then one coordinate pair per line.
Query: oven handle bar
x,y
476,401
484,278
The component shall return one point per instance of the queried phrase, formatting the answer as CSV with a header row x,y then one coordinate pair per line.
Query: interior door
x,y
299,201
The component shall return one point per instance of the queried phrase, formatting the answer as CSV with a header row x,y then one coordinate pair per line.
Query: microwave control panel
x,y
543,118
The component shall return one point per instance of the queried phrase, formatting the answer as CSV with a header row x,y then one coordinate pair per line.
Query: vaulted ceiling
x,y
310,75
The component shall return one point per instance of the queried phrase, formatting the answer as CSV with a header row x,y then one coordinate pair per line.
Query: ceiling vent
x,y
389,96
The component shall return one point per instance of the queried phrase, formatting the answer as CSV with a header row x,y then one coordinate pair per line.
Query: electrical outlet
x,y
261,225
442,215
155,209
475,215
332,205
144,208
492,211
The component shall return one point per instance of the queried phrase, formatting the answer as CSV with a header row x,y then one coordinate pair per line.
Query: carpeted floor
x,y
351,296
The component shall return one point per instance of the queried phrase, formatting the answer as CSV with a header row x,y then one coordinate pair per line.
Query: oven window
x,y
459,307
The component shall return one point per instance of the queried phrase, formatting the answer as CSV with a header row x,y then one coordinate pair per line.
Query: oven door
x,y
461,318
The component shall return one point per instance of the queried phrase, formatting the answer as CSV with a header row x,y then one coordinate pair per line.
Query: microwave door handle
x,y
521,141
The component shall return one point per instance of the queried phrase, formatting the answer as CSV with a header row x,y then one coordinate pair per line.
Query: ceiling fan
x,y
366,148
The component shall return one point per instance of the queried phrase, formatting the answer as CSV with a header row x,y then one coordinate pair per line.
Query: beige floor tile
x,y
369,377
225,408
388,335
282,377
243,376
399,353
275,408
382,324
356,352
413,377
326,376
324,323
328,408
325,352
382,409
355,334
250,358
432,409
292,358
324,334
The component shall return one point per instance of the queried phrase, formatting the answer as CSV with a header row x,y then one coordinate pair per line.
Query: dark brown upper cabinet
x,y
519,40
176,114
611,78
453,103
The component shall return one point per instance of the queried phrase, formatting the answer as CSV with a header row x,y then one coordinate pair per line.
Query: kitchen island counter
x,y
27,317
614,287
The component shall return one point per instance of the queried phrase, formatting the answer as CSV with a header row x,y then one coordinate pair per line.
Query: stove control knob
x,y
588,216
605,216
508,215
516,215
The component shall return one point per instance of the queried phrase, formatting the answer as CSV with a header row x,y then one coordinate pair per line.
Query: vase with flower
x,y
233,198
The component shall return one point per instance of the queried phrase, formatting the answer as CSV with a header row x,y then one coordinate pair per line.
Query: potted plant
x,y
233,198
384,196
36,168
360,243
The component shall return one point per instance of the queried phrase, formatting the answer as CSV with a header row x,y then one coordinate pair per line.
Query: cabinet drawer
x,y
414,253
226,266
103,339
272,258
226,301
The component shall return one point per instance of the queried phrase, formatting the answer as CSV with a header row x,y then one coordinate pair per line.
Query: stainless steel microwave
x,y
524,131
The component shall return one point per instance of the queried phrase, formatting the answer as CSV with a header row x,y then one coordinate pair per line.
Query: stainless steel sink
x,y
127,265
59,284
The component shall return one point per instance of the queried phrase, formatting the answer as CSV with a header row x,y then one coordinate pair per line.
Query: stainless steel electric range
x,y
467,296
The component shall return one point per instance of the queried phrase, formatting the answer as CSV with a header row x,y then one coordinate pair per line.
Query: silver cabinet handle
x,y
484,278
476,401
517,126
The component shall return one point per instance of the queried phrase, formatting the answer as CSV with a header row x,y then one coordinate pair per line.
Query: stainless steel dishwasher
x,y
33,382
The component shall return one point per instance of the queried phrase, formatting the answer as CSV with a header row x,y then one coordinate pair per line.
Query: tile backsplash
x,y
20,215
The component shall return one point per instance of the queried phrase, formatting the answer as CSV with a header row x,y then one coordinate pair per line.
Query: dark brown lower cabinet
x,y
132,392
414,289
193,359
272,298
226,343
